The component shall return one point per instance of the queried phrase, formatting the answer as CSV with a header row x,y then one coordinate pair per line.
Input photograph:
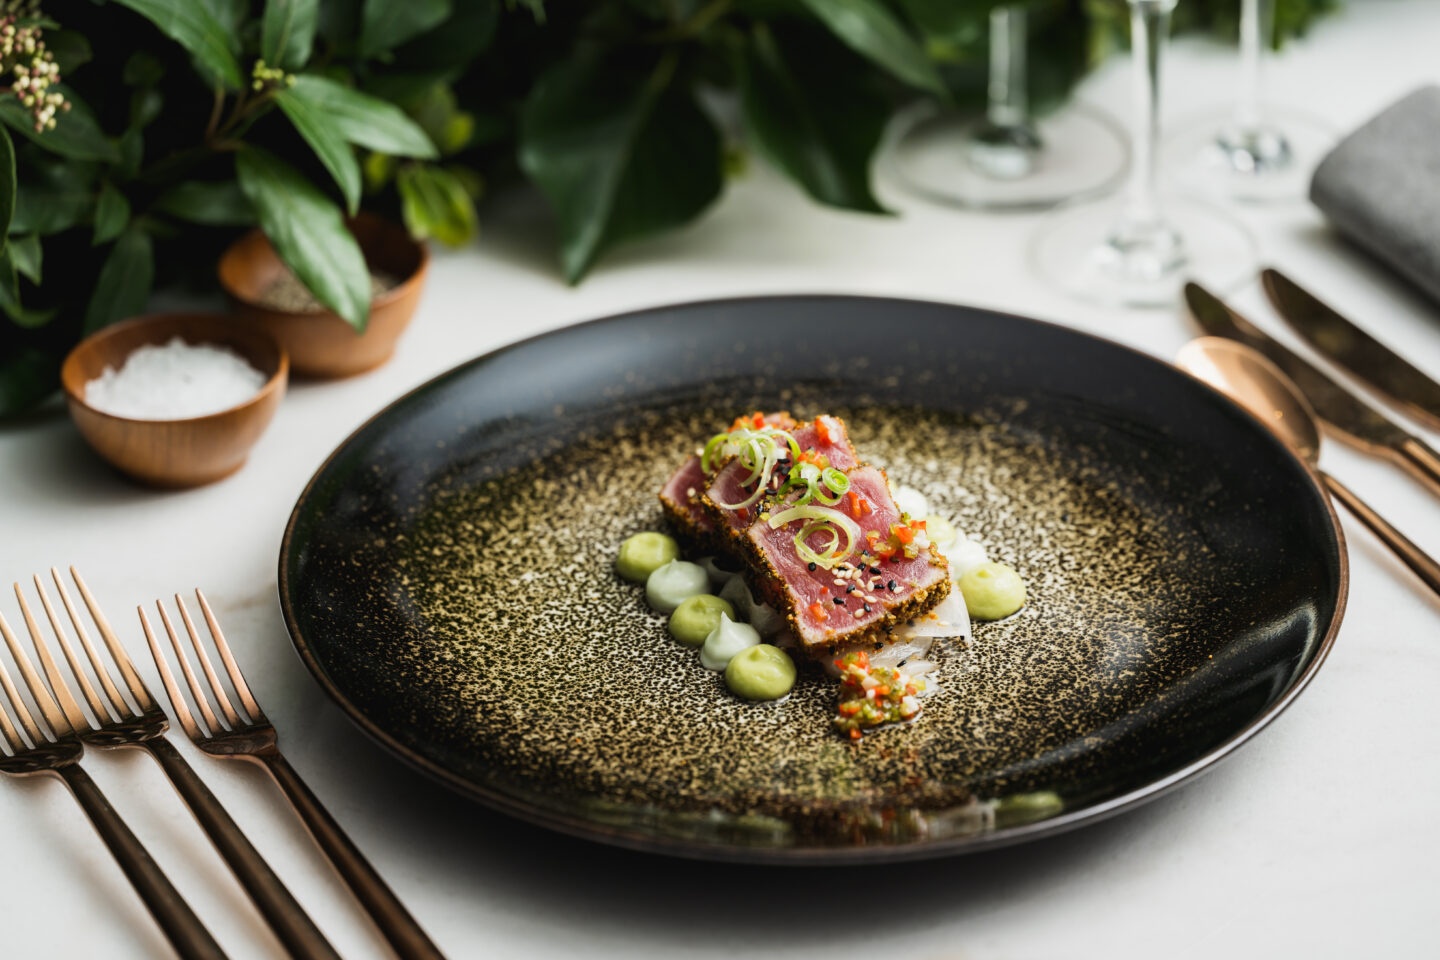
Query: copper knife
x,y
1381,369
1344,415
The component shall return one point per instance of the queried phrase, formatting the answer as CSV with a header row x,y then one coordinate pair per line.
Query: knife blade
x,y
1344,415
1377,366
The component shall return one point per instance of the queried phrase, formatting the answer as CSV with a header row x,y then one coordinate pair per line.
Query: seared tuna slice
x,y
873,589
823,441
680,499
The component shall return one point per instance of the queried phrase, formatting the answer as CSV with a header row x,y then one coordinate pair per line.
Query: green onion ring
x,y
823,519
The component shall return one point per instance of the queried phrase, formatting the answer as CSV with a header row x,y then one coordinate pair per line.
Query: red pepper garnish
x,y
818,610
822,429
917,524
903,533
855,502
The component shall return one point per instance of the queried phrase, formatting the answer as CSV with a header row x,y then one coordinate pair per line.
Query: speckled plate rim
x,y
919,849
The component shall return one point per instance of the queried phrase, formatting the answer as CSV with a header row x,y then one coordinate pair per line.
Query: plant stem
x,y
694,24
215,112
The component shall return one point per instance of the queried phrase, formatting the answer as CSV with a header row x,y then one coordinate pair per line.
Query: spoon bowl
x,y
1251,380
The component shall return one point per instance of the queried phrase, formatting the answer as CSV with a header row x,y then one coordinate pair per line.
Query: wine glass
x,y
1007,159
1252,152
1129,249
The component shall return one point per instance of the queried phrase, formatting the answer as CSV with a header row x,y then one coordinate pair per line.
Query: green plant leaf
x,y
26,253
112,212
47,209
7,183
212,204
123,284
77,135
287,32
456,42
27,376
619,150
192,24
327,140
439,115
869,27
435,203
362,119
387,24
951,18
10,297
308,232
70,48
814,111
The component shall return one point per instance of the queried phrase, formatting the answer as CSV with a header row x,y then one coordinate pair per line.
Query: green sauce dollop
x,y
761,672
992,591
696,616
644,553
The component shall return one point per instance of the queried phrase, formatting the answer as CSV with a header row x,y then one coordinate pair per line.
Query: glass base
x,y
1085,250
1270,163
969,162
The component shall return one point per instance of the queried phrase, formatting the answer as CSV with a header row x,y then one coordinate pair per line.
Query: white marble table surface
x,y
1319,839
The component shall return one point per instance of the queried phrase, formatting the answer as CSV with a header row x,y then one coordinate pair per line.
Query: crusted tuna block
x,y
680,497
823,441
892,573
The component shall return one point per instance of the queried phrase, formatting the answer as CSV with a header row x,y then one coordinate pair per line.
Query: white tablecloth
x,y
1318,839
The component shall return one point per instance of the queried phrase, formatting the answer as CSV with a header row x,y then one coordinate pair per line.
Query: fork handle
x,y
181,926
405,935
297,932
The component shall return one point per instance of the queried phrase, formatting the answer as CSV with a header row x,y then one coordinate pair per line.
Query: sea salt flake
x,y
174,382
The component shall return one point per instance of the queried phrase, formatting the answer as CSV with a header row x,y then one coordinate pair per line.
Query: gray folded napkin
x,y
1380,187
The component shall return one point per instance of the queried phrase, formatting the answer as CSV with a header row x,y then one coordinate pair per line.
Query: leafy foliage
x,y
185,121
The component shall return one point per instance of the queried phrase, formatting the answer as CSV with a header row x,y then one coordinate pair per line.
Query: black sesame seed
x,y
874,569
850,589
867,608
839,601
812,566
891,585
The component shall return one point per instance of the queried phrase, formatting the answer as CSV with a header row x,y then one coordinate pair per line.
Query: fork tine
x,y
231,667
195,692
73,714
86,690
48,710
122,709
231,717
112,642
12,736
177,700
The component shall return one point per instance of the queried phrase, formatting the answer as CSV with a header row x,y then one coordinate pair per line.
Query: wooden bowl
x,y
175,453
319,343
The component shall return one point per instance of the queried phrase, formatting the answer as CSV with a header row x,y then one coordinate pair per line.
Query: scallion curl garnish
x,y
759,450
821,520
825,486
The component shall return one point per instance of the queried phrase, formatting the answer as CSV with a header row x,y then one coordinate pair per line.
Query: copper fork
x,y
250,736
142,727
50,746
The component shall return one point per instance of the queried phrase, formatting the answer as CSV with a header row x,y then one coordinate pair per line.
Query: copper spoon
x,y
1255,383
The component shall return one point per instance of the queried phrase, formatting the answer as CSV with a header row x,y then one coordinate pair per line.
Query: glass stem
x,y
1149,27
1008,104
1257,32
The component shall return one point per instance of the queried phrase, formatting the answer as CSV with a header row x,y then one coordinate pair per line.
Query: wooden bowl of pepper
x,y
320,344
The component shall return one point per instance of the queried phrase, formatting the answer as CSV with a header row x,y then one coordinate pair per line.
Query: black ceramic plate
x,y
447,577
